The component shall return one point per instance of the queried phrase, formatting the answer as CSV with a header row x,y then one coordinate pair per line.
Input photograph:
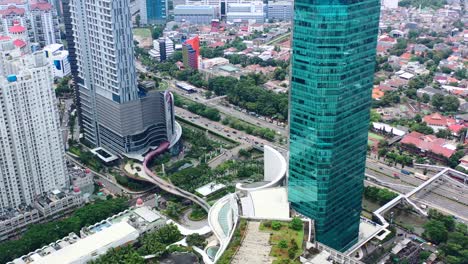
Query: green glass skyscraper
x,y
333,61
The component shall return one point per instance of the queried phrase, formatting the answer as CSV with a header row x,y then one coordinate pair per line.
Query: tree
x,y
461,74
411,93
443,133
196,240
426,98
454,160
124,254
157,31
451,103
282,243
39,235
296,224
418,118
138,20
435,231
437,101
173,209
275,225
279,74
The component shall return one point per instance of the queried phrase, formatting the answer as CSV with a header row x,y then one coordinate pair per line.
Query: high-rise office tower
x,y
191,52
32,158
163,48
333,58
115,113
153,11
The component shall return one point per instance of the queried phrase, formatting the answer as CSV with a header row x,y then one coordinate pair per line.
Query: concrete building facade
x,y
163,48
115,113
153,11
244,12
280,10
32,158
194,14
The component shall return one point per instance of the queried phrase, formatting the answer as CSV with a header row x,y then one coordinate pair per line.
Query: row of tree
x,y
380,195
39,235
452,237
247,94
262,132
154,243
197,108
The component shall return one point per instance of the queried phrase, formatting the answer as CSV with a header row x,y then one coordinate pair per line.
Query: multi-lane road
x,y
443,194
226,110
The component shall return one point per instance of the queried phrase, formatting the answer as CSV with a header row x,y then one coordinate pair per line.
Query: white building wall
x,y
390,3
31,146
143,12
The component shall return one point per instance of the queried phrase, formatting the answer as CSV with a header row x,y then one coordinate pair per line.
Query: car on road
x,y
380,168
396,175
405,172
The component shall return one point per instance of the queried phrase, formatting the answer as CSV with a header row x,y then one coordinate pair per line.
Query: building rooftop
x,y
429,143
80,248
210,188
270,203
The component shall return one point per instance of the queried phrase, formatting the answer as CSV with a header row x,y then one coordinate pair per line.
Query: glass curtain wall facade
x,y
333,61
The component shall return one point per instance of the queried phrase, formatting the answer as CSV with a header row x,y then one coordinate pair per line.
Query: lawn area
x,y
375,136
282,241
142,32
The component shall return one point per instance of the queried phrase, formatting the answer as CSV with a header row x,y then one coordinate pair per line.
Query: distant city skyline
x,y
332,76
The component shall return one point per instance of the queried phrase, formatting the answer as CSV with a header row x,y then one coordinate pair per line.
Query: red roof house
x,y
438,121
428,145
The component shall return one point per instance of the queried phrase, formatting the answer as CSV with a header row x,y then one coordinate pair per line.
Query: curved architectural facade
x,y
222,218
275,168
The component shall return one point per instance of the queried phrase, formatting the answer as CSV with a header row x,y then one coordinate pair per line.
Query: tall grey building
x,y
32,158
280,10
115,114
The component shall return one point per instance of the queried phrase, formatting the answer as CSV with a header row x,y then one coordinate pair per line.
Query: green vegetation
x,y
400,47
126,254
235,243
247,94
389,98
265,133
209,53
231,170
196,240
435,4
197,213
39,235
157,31
382,196
142,32
285,238
87,158
296,224
200,144
191,178
197,108
173,210
152,243
449,103
63,88
392,156
452,237
130,183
